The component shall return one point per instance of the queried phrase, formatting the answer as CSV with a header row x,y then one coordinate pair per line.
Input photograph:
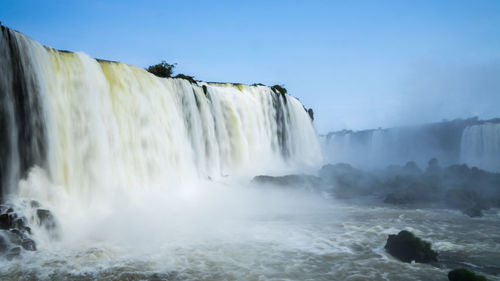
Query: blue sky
x,y
358,64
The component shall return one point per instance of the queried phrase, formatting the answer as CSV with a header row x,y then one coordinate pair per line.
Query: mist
x,y
414,93
438,90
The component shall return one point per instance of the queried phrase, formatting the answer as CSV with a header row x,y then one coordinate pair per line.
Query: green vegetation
x,y
464,275
162,69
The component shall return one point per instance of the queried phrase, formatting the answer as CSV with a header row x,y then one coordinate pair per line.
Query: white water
x,y
113,126
378,148
480,146
476,146
136,163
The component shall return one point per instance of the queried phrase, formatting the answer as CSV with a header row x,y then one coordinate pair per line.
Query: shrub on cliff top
x,y
162,69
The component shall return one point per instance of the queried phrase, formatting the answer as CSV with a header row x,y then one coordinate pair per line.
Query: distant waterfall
x,y
83,125
382,147
481,146
470,141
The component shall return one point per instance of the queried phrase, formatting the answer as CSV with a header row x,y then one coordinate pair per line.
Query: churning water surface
x,y
254,235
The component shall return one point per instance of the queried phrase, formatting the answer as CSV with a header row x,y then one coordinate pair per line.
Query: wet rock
x,y
407,189
14,253
406,247
5,221
473,212
46,218
15,237
35,204
347,182
464,275
290,181
14,231
3,244
19,223
400,198
28,244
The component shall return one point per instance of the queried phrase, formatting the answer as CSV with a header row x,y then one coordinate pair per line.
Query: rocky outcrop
x,y
45,219
458,187
464,275
346,182
307,182
406,247
474,212
15,234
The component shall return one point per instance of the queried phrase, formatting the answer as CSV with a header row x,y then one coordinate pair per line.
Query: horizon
x,y
357,66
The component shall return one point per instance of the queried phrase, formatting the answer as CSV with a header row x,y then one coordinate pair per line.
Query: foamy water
x,y
254,234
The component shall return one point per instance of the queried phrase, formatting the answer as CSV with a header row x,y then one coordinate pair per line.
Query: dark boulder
x,y
14,233
3,244
46,219
406,247
408,189
14,253
35,204
464,275
14,236
473,212
5,221
28,244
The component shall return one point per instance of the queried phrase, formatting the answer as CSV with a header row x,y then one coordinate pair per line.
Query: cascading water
x,y
471,141
147,179
90,125
99,142
481,146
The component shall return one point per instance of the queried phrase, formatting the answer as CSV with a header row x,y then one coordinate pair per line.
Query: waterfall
x,y
471,141
82,125
481,146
